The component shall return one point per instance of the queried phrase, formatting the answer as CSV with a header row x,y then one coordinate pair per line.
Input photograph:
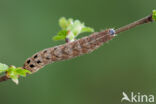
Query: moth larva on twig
x,y
69,50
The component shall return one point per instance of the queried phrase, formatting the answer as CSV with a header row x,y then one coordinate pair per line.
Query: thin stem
x,y
144,20
4,78
134,24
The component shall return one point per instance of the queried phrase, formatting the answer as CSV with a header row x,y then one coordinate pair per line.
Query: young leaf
x,y
76,27
15,80
71,29
3,67
87,29
63,22
154,15
61,35
22,72
14,73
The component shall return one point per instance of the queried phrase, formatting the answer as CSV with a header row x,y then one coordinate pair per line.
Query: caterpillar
x,y
68,50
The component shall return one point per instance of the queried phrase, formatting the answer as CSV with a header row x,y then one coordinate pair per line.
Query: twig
x,y
4,78
134,24
144,20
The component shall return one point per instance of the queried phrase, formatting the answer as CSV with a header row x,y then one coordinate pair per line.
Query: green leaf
x,y
22,72
61,35
3,67
63,22
76,27
14,73
154,15
71,29
87,29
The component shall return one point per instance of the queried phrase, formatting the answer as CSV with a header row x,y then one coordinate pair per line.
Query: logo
x,y
137,98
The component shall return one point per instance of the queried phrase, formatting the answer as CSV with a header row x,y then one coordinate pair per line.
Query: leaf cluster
x,y
13,72
70,29
154,15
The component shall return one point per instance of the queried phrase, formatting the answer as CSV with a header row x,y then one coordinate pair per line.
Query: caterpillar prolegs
x,y
69,50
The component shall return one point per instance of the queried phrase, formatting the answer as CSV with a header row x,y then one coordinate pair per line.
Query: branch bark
x,y
134,24
4,78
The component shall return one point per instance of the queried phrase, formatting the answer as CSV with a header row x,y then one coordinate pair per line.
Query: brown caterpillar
x,y
69,50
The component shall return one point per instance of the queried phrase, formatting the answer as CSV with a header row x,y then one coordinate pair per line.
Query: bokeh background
x,y
127,63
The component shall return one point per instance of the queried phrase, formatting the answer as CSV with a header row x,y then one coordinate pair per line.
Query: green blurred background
x,y
127,63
